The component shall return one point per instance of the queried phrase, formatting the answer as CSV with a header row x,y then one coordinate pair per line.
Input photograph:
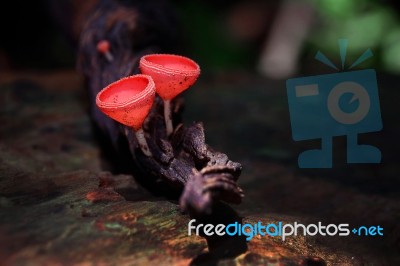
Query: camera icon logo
x,y
340,104
358,92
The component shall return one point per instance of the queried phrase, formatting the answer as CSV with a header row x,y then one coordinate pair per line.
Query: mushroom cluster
x,y
140,114
129,99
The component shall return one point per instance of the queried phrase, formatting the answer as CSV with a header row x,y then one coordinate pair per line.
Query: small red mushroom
x,y
103,47
172,74
129,101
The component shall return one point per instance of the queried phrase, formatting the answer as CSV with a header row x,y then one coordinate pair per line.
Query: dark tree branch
x,y
183,161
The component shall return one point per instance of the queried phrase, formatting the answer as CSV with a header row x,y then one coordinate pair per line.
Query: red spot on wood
x,y
100,226
103,195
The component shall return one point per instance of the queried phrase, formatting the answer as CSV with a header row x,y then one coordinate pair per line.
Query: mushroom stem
x,y
142,142
103,47
167,117
109,56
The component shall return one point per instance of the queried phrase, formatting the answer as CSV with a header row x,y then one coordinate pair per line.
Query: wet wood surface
x,y
61,205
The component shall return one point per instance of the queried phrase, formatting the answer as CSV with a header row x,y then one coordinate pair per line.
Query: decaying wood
x,y
183,161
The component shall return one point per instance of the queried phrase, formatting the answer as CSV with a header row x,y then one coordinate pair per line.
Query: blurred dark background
x,y
270,37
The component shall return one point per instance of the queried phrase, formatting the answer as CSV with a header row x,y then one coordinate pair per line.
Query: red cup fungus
x,y
172,74
129,101
103,47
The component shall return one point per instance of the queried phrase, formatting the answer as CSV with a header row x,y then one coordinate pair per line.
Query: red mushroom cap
x,y
172,74
103,46
128,100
